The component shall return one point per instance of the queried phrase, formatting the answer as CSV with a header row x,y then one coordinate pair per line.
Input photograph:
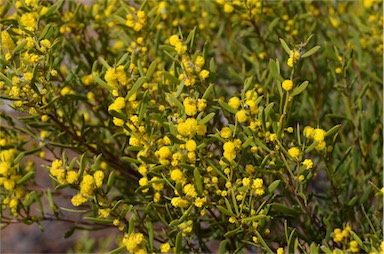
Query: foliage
x,y
253,124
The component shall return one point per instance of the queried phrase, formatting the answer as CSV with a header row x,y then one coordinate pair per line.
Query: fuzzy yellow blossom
x,y
72,177
234,102
177,176
229,151
318,134
241,116
190,145
287,85
78,199
134,242
164,152
338,70
201,104
87,186
118,122
228,8
204,74
188,128
308,163
179,202
337,235
111,77
174,39
308,131
294,152
180,48
294,57
199,61
7,41
28,20
199,202
189,190
190,106
98,176
280,251
225,132
87,80
117,105
165,248
354,246
246,181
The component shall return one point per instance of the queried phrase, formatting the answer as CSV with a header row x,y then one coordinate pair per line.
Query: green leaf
x,y
222,246
207,118
313,248
6,79
19,47
26,177
233,232
311,147
273,186
208,91
285,210
103,83
310,52
298,90
175,101
179,242
226,212
151,70
118,250
130,160
285,46
333,130
255,218
135,87
111,180
228,108
198,181
263,243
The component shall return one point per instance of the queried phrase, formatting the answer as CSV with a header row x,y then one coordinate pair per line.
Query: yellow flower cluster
x,y
230,149
316,135
8,174
88,185
134,243
294,58
117,75
136,19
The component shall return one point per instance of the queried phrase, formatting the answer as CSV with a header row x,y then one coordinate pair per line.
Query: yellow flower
x,y
118,104
308,163
87,186
164,152
234,102
308,131
294,152
189,190
190,145
280,251
177,175
174,39
165,247
318,134
190,106
354,246
204,74
98,176
228,8
226,132
78,200
241,116
287,85
199,202
72,177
